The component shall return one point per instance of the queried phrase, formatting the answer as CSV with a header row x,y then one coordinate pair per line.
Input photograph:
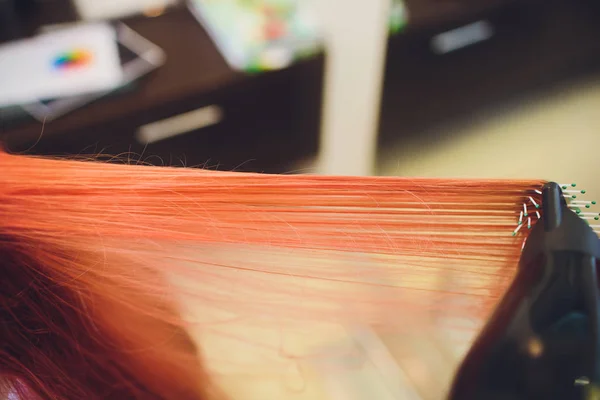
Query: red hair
x,y
90,253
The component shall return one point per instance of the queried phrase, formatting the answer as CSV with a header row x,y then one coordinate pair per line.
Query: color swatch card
x,y
72,61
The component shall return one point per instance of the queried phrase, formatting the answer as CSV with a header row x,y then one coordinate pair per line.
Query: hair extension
x,y
109,270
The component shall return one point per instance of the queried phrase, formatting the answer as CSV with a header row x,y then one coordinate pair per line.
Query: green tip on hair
x,y
574,197
593,202
573,184
514,233
564,187
583,192
587,206
578,211
537,206
596,218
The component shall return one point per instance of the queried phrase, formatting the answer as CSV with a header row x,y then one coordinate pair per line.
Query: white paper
x,y
28,72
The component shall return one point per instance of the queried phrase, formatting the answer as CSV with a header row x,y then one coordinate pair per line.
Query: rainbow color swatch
x,y
72,60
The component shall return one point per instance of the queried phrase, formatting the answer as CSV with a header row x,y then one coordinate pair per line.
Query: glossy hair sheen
x,y
89,252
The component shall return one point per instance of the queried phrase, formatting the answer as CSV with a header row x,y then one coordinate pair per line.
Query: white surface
x,y
149,57
179,124
112,9
27,72
356,34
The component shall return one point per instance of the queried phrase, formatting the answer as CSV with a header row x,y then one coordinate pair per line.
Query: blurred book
x,y
398,16
79,60
259,35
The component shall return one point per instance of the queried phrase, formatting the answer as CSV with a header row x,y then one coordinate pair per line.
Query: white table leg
x,y
356,36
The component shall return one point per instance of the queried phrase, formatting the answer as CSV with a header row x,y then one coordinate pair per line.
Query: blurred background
x,y
463,88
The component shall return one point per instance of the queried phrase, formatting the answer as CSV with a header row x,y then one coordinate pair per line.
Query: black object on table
x,y
13,14
542,341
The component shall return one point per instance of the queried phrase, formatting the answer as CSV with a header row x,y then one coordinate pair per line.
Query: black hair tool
x,y
543,340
